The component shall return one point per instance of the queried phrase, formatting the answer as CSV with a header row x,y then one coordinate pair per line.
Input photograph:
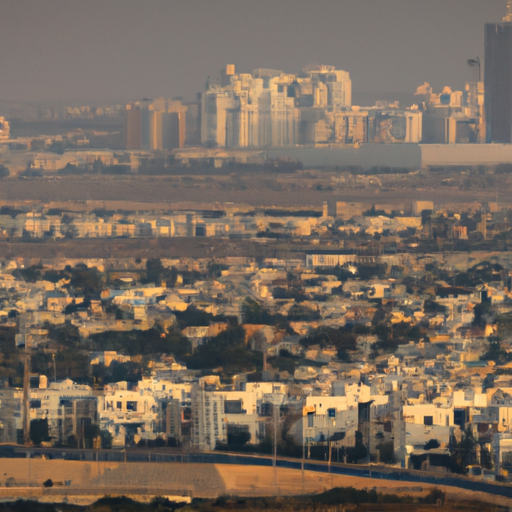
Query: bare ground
x,y
302,189
147,248
202,479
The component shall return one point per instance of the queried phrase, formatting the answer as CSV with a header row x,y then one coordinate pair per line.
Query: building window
x,y
233,407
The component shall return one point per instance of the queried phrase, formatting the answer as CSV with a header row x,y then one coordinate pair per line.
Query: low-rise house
x,y
106,357
127,413
428,414
217,413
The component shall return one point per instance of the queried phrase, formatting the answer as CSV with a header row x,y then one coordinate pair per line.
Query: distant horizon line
x,y
91,101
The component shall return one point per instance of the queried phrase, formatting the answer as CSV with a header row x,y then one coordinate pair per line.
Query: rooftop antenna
x,y
508,16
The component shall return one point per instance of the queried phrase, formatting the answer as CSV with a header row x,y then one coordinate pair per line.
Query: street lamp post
x,y
276,413
303,456
275,435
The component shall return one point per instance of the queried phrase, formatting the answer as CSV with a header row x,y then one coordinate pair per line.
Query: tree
x,y
495,352
154,270
504,325
86,281
91,432
432,444
463,453
156,273
152,341
196,317
65,334
358,452
171,276
31,173
39,431
254,313
324,336
129,371
482,314
4,172
227,350
31,274
367,272
435,497
215,269
386,452
298,312
431,306
106,439
238,435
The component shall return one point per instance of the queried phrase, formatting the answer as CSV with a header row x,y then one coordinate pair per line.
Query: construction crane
x,y
476,62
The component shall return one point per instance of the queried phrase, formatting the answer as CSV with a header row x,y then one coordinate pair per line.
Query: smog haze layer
x,y
122,49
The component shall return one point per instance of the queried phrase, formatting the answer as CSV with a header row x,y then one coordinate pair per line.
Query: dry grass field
x,y
304,189
209,481
301,189
147,248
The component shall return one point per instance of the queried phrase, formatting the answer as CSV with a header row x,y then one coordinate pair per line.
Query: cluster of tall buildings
x,y
269,108
452,117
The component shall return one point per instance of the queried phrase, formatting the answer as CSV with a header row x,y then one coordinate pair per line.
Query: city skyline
x,y
254,252
92,50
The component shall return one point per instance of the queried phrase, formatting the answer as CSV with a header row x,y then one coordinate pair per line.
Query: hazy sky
x,y
70,49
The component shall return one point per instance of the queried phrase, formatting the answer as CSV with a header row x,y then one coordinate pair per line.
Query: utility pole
x,y
303,454
26,393
22,328
274,463
329,442
276,412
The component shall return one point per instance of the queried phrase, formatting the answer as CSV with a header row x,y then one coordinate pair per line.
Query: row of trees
x,y
90,434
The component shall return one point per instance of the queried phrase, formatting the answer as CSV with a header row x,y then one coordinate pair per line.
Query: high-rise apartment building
x,y
270,108
175,125
193,123
155,132
133,126
155,125
498,79
452,117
